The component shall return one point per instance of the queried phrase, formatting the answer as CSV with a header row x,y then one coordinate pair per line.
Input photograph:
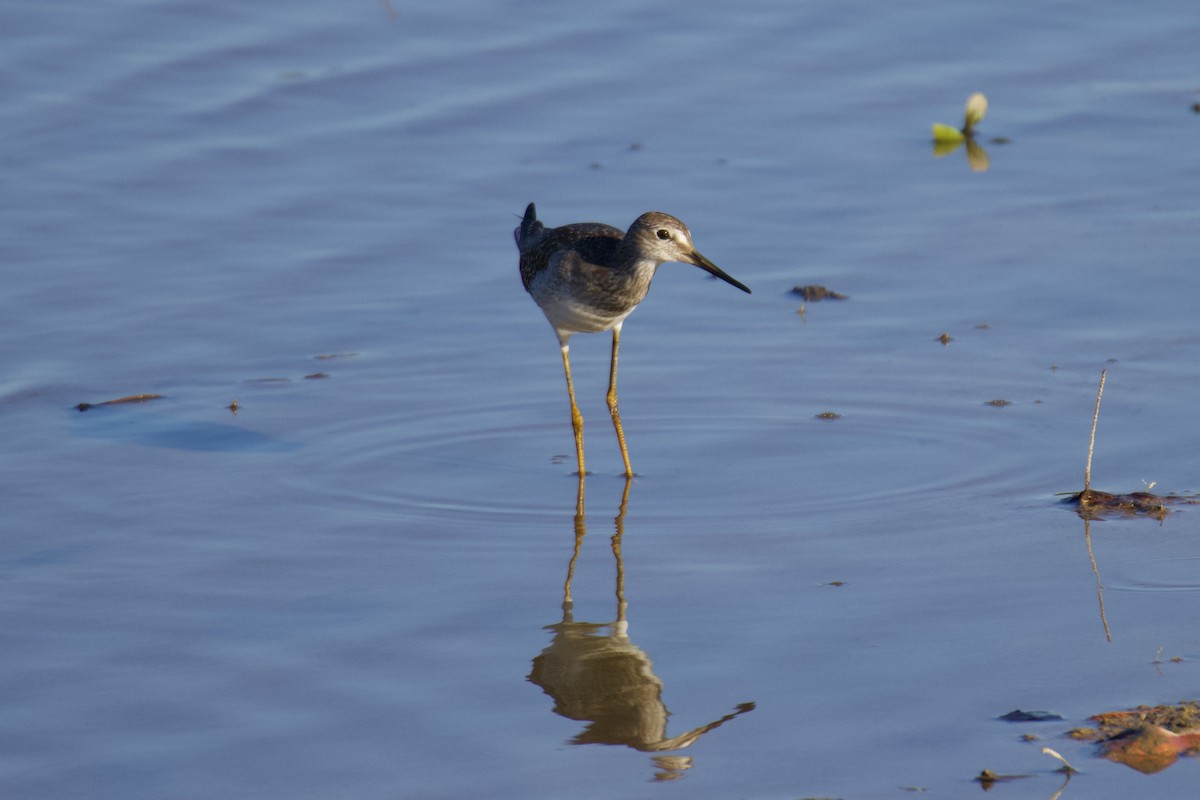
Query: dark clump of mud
x,y
812,294
1029,716
1092,503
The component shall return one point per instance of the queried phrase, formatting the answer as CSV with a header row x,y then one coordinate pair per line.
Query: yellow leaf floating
x,y
946,133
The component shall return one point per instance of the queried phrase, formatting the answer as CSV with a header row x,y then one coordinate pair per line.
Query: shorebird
x,y
588,277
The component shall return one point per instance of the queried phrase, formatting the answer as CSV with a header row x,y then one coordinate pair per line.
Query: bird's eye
x,y
663,233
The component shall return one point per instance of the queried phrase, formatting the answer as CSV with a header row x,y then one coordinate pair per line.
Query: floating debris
x,y
813,293
976,110
1029,716
986,778
943,133
316,376
828,415
133,398
1147,738
1158,657
944,338
1066,765
1178,718
1093,503
947,138
998,402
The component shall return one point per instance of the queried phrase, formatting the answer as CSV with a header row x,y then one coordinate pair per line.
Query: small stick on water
x,y
133,398
1087,473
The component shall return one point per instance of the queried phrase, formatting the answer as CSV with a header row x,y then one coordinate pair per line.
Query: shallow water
x,y
342,588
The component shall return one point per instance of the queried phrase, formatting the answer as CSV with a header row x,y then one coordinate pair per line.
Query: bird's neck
x,y
636,270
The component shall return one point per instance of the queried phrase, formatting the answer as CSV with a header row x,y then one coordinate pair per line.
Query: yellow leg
x,y
576,417
612,401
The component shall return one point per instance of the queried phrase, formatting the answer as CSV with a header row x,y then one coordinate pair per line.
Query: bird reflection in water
x,y
595,674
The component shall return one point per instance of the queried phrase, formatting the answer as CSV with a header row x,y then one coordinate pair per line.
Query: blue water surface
x,y
329,560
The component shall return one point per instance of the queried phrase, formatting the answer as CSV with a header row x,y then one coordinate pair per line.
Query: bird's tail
x,y
529,230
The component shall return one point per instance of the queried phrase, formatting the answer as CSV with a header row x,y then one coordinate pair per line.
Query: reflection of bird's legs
x,y
612,400
576,417
580,532
616,548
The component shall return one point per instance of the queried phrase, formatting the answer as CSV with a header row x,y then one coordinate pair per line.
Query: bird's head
x,y
666,238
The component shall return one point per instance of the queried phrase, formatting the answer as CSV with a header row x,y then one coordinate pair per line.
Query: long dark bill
x,y
712,269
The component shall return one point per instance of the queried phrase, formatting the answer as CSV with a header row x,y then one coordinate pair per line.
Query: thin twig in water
x,y
1087,473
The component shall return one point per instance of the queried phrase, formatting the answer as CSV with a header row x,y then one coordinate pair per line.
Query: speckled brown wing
x,y
595,242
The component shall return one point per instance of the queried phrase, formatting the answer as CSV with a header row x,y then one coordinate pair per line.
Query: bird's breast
x,y
579,297
569,315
